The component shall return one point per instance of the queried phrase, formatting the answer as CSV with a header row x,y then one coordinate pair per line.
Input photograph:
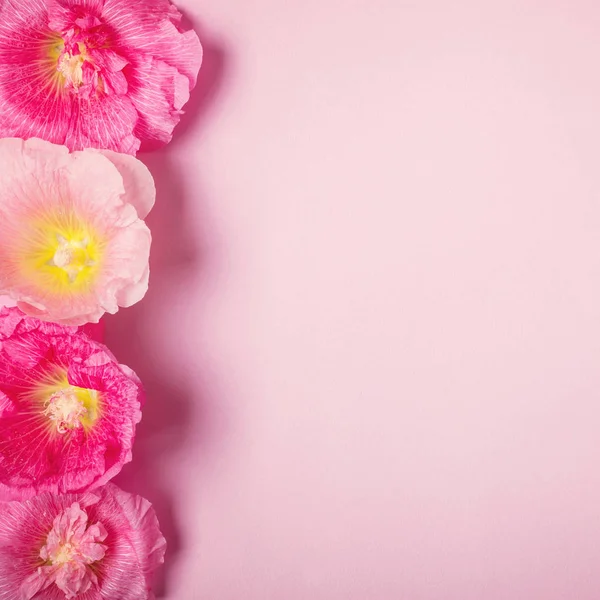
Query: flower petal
x,y
158,92
152,27
139,184
103,122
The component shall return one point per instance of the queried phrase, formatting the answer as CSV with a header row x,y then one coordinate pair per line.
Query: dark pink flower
x,y
110,74
101,545
68,409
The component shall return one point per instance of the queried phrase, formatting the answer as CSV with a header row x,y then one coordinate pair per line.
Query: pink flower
x,y
72,242
101,545
110,74
68,410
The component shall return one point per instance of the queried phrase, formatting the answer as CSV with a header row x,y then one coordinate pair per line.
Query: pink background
x,y
372,337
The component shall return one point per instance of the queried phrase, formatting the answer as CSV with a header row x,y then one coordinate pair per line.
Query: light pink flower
x,y
101,545
110,74
72,241
68,409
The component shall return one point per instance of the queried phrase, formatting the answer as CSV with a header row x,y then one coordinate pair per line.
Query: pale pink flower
x,y
68,409
73,244
101,545
110,74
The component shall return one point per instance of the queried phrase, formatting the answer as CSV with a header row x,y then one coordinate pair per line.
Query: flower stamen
x,y
71,64
71,256
65,409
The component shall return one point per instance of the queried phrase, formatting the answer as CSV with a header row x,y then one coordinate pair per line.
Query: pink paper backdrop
x,y
372,338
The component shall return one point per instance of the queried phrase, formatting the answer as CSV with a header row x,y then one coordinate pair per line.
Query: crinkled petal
x,y
29,104
126,265
63,13
150,545
158,92
152,28
105,122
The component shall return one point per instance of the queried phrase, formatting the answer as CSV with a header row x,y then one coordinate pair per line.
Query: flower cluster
x,y
84,85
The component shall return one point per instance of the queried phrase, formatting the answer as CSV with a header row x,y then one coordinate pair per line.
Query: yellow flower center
x,y
67,407
71,255
61,254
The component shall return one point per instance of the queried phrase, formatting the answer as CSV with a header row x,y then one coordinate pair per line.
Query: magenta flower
x,y
68,410
101,545
111,74
72,241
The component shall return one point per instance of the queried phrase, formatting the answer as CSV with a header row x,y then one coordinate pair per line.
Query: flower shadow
x,y
140,336
215,64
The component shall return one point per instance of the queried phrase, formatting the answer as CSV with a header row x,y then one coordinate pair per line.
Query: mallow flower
x,y
111,74
73,244
68,409
101,545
